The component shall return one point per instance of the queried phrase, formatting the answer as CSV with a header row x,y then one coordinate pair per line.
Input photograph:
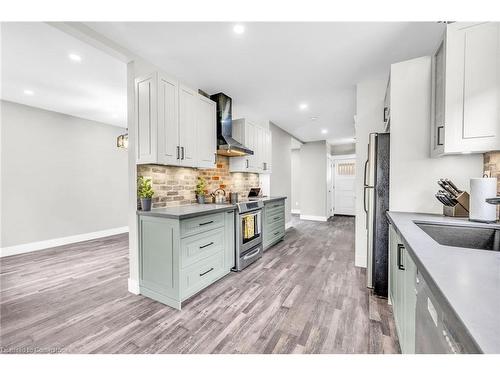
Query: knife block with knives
x,y
455,201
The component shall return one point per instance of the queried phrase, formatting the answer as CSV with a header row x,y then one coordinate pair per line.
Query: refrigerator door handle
x,y
364,173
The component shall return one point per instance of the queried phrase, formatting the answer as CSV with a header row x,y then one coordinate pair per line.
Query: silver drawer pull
x,y
208,222
208,244
277,218
204,273
276,233
252,254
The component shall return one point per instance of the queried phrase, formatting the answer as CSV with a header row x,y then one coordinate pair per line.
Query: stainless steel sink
x,y
482,238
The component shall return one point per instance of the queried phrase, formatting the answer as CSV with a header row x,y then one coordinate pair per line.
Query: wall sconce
x,y
122,141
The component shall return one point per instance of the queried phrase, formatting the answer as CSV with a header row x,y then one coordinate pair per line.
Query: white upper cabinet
x,y
207,132
174,124
466,90
257,139
146,119
268,156
168,120
188,100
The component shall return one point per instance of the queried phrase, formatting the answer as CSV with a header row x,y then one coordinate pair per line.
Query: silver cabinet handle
x,y
247,162
178,152
204,273
182,153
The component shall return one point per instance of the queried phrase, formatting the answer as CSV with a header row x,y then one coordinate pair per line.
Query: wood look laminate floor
x,y
304,296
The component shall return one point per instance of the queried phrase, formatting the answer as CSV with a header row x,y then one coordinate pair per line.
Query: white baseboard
x,y
133,286
313,218
42,245
295,211
288,225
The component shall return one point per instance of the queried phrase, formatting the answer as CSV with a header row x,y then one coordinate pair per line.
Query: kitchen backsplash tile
x,y
492,165
175,186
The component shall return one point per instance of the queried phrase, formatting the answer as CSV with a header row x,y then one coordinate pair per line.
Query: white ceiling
x,y
273,67
35,57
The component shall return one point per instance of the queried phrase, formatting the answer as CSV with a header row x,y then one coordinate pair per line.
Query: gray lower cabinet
x,y
402,291
180,257
273,222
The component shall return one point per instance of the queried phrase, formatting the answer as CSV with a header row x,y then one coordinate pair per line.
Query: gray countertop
x,y
271,199
468,280
192,210
187,211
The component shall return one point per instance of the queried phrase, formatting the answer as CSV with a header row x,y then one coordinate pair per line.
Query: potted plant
x,y
145,192
200,190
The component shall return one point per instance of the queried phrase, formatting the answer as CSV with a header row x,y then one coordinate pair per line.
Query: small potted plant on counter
x,y
200,190
145,192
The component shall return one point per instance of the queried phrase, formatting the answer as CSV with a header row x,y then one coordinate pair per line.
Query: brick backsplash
x,y
175,186
492,164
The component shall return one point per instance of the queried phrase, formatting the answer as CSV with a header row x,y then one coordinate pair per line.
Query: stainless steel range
x,y
248,233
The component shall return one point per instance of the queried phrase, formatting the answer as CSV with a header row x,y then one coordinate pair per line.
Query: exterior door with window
x,y
345,173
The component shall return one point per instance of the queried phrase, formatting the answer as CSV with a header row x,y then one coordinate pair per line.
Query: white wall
x,y
281,176
313,167
295,197
369,118
413,173
343,149
62,176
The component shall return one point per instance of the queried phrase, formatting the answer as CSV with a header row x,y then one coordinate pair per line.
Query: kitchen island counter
x,y
466,280
187,211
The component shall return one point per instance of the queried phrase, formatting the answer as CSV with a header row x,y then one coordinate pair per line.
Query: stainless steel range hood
x,y
226,144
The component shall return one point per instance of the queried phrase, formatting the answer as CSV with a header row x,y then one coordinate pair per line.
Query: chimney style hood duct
x,y
226,144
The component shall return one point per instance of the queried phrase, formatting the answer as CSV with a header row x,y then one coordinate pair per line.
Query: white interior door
x,y
344,186
329,187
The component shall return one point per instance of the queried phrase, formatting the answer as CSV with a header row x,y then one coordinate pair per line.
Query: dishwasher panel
x,y
437,330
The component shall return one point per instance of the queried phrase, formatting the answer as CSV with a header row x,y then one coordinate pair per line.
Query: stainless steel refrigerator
x,y
376,203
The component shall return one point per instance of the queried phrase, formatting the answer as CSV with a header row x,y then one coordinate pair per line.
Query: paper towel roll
x,y
480,190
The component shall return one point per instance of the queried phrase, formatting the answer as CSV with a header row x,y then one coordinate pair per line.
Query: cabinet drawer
x,y
276,205
201,274
274,217
274,232
201,245
201,224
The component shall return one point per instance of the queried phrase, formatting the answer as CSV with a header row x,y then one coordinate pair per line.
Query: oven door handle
x,y
252,254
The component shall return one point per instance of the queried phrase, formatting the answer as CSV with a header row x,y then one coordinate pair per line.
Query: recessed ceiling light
x,y
314,118
29,92
324,131
303,106
74,57
239,29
